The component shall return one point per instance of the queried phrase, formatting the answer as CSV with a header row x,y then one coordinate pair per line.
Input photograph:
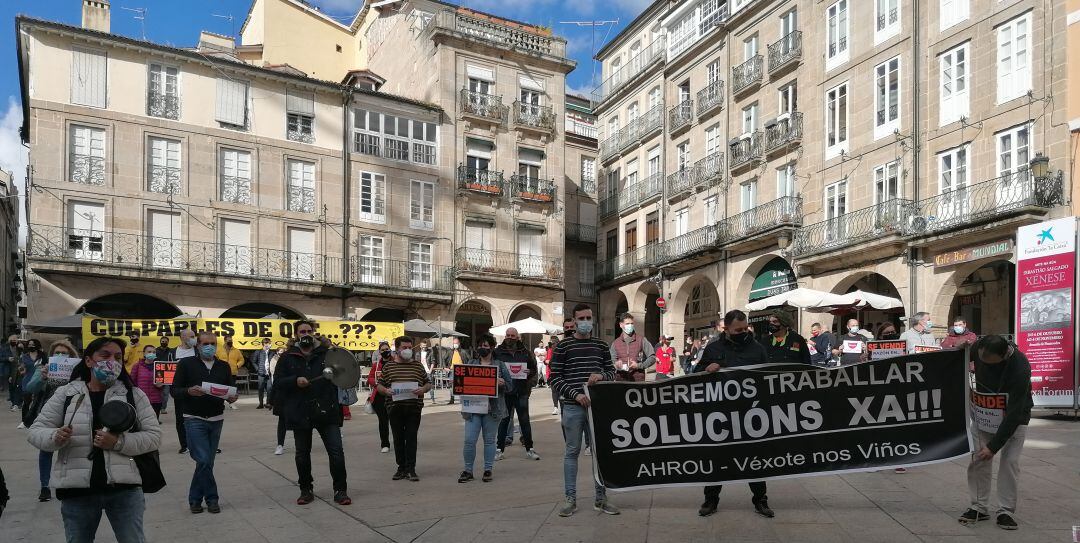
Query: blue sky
x,y
178,22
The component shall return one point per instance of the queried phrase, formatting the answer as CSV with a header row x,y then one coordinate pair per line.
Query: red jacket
x,y
142,374
664,359
953,341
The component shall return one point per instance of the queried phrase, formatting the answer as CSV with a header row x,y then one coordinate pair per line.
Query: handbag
x,y
347,396
148,464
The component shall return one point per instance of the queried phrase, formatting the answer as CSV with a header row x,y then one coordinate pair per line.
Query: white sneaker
x,y
20,426
531,454
232,406
499,455
555,411
14,408
280,450
385,450
588,451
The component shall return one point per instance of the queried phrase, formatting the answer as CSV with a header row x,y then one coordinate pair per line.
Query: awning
x,y
61,325
527,326
776,277
418,326
823,302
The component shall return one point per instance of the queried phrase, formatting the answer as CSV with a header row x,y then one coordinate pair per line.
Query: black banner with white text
x,y
777,421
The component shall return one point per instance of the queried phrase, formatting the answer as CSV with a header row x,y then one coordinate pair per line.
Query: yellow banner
x,y
246,333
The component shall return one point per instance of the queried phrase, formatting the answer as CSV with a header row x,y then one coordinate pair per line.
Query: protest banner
x,y
777,421
880,350
988,410
927,348
164,372
476,380
60,368
246,333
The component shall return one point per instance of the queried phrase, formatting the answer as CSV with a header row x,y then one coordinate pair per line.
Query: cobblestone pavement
x,y
258,495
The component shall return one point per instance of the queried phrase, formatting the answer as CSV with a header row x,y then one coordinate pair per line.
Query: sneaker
x,y
762,508
196,508
900,470
45,494
280,450
707,508
21,426
306,497
1006,522
399,475
972,516
182,451
568,508
213,508
531,454
606,508
555,411
232,406
588,451
164,411
414,477
384,450
260,406
465,476
14,408
487,476
509,442
342,498
499,455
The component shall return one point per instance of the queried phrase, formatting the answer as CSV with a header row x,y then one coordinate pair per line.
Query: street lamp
x,y
1040,166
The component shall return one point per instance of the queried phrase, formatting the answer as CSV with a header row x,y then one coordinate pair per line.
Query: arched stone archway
x,y
524,311
130,305
472,318
696,302
983,294
259,310
388,314
746,282
642,305
869,319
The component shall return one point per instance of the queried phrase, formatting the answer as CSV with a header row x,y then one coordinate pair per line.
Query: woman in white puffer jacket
x,y
109,482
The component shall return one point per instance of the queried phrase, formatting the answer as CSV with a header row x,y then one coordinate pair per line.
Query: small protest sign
x,y
164,372
60,368
218,391
476,380
475,404
518,370
927,348
403,390
880,350
988,410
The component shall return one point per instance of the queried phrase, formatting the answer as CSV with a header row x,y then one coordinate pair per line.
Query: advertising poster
x,y
476,380
164,372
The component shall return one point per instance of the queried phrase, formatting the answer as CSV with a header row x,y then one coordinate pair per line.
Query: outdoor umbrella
x,y
804,298
418,326
61,325
527,326
440,330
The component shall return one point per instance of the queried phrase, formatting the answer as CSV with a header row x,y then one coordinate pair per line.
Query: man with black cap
x,y
785,345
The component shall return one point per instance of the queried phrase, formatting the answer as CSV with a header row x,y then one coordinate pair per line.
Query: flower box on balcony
x,y
481,187
536,196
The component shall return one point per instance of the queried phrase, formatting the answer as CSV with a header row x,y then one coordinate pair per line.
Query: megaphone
x,y
340,368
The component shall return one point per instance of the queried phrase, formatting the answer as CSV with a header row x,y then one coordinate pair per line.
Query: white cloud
x,y
13,156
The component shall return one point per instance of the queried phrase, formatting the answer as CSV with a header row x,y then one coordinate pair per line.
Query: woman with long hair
x,y
97,469
61,348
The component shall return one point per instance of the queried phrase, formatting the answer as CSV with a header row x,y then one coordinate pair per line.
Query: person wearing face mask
x,y
204,416
142,374
404,413
631,353
486,423
887,331
513,351
164,353
134,352
852,345
28,365
576,363
63,349
186,349
960,336
378,401
919,333
736,347
95,471
457,356
261,360
785,346
821,345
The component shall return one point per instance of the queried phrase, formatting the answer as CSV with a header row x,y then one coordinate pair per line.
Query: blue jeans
x,y
165,393
124,509
575,424
519,403
202,441
474,424
44,463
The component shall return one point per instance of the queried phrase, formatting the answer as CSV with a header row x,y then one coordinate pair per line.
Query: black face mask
x,y
306,342
890,335
568,333
483,352
772,328
385,355
13,344
740,338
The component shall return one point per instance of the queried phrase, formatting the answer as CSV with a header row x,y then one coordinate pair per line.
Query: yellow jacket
x,y
133,356
234,357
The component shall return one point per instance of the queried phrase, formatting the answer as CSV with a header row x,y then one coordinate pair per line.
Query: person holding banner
x,y
142,375
785,345
577,362
484,414
919,332
405,382
852,348
735,347
1001,407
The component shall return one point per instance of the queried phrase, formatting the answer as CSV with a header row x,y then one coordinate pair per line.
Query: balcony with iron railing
x,y
163,179
687,245
627,263
301,199
710,98
785,211
608,206
482,106
609,148
888,218
651,122
681,116
709,171
483,181
628,136
163,105
588,185
1008,195
652,186
681,181
469,262
629,196
785,52
235,189
534,117
747,75
745,150
783,132
585,233
101,251
533,189
87,169
574,126
711,14
493,31
650,56
383,274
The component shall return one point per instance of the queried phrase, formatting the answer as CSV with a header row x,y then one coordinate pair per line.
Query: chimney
x,y
95,15
210,42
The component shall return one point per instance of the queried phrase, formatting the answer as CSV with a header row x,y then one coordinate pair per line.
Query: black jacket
x,y
295,402
824,343
793,350
191,372
729,354
1011,376
521,387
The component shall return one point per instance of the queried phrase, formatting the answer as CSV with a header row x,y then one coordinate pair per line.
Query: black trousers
x,y
712,493
379,405
178,412
405,422
281,431
264,385
331,438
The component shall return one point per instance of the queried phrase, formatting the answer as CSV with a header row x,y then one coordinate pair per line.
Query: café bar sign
x,y
967,254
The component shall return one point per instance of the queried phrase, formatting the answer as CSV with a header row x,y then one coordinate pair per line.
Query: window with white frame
x,y
89,78
952,184
836,40
372,265
887,182
367,130
422,205
681,35
712,209
715,72
301,189
1014,58
86,156
654,161
1014,154
588,172
395,137
85,230
373,197
300,116
424,142
887,25
421,270
835,207
654,97
682,155
613,127
712,139
789,23
163,91
788,96
586,277
301,253
951,12
232,100
887,98
682,221
749,119
235,247
785,180
748,195
163,165
631,113
235,168
750,47
836,120
953,70
164,239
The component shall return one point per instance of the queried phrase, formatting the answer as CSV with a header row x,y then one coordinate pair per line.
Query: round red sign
x,y
661,303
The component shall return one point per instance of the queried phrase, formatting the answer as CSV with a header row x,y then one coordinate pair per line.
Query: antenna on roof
x,y
140,15
232,27
592,39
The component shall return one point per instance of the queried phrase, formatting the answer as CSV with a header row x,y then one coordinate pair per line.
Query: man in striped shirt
x,y
577,362
405,411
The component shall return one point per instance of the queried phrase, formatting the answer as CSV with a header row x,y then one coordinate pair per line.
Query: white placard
x,y
852,347
475,404
518,370
218,391
403,390
60,368
988,410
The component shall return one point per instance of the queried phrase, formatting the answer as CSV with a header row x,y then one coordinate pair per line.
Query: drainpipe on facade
x,y
346,159
913,254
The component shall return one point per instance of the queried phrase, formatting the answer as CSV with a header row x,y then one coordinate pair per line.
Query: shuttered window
x,y
232,102
88,78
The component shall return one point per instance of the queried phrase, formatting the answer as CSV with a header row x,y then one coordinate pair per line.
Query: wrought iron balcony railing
x,y
236,189
163,179
573,126
534,116
681,181
581,232
533,189
884,20
711,97
609,147
302,199
506,264
497,33
629,196
644,60
785,51
149,253
984,201
87,170
628,263
484,106
628,135
608,206
783,211
838,46
783,132
747,74
652,186
688,244
891,217
166,106
485,181
588,185
709,171
745,150
681,115
651,121
386,273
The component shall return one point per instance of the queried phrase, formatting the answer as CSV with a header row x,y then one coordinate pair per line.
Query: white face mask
x,y
406,354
